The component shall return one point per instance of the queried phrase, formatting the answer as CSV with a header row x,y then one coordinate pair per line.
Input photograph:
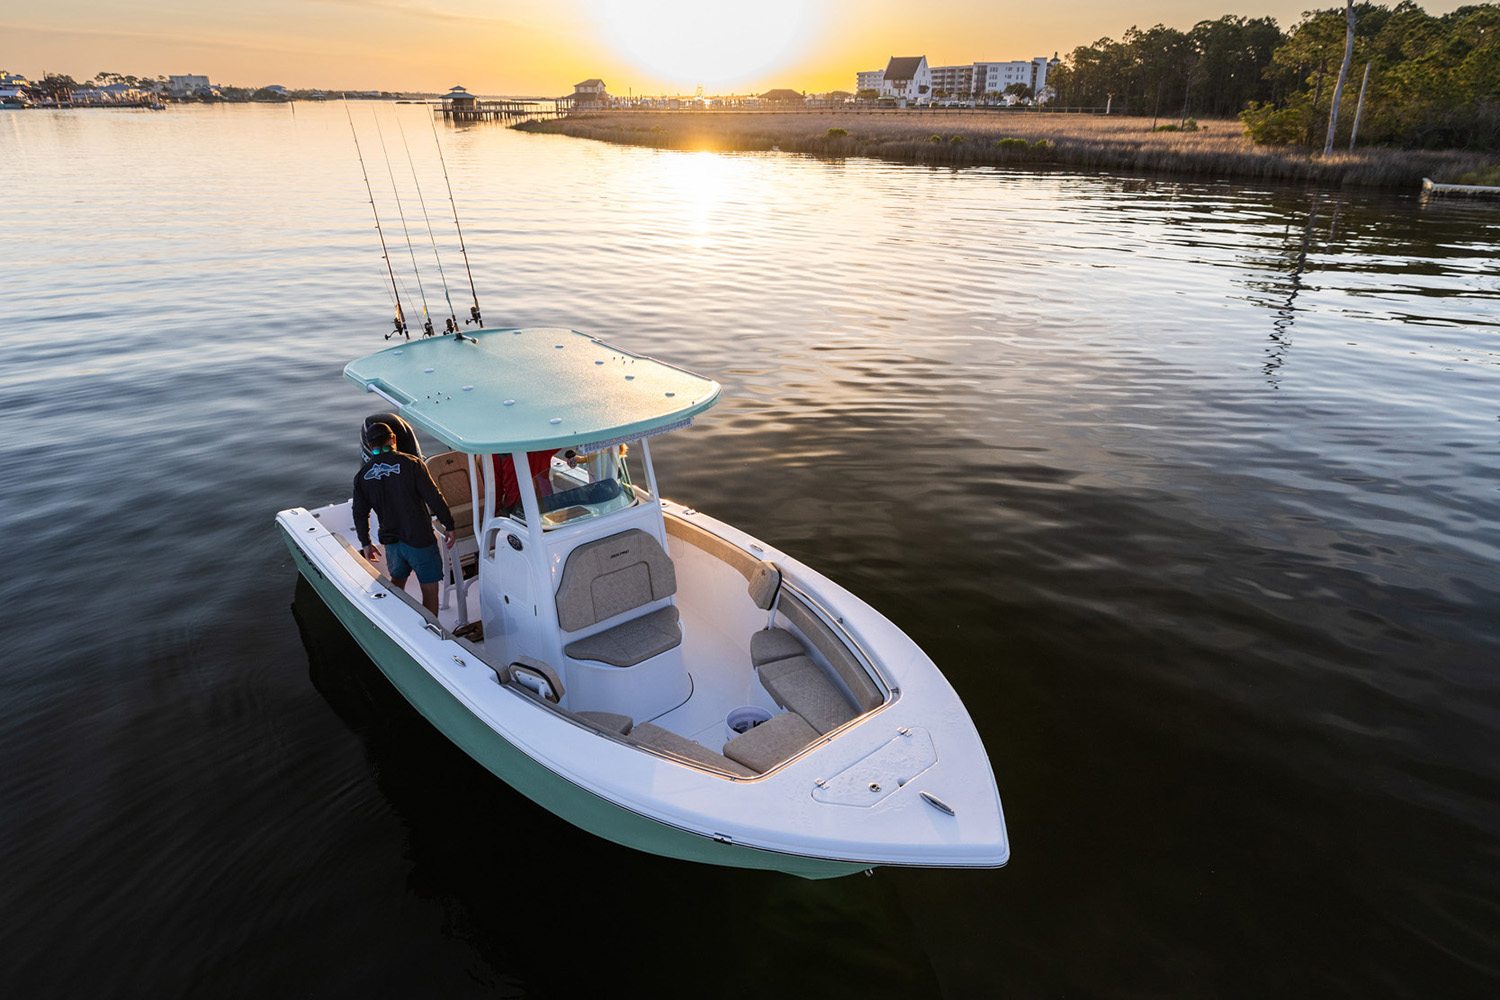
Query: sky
x,y
543,48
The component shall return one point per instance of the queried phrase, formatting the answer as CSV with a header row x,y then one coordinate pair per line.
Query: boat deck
x,y
718,663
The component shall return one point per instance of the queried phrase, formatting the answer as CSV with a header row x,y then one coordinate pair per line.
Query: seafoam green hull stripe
x,y
553,793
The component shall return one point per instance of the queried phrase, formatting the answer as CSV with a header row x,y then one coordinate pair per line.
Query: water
x,y
1191,490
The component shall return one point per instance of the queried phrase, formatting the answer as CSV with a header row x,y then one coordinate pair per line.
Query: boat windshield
x,y
580,486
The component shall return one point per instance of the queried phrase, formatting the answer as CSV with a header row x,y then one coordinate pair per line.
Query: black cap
x,y
378,434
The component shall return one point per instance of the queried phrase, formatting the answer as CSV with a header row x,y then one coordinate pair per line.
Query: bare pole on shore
x,y
1359,109
385,253
1338,88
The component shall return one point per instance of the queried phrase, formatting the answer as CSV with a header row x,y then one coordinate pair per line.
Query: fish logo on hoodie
x,y
380,470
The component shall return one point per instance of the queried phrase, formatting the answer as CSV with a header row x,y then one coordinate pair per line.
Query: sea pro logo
x,y
380,470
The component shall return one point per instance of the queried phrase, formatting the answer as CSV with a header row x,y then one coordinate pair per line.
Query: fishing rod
x,y
426,316
474,316
452,314
385,254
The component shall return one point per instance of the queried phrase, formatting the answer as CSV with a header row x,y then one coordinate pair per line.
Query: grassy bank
x,y
1091,142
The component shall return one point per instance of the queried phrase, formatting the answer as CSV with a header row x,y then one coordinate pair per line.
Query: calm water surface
x,y
1190,489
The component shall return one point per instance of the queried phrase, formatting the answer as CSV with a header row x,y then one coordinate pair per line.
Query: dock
x,y
476,110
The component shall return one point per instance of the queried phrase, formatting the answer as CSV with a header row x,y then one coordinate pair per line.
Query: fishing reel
x,y
474,316
427,330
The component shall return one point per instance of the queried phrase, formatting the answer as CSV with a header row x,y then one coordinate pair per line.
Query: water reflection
x,y
1190,488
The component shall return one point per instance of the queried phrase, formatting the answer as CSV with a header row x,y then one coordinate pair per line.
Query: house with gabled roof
x,y
783,97
590,93
907,79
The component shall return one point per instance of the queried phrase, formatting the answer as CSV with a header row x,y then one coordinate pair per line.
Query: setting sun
x,y
689,43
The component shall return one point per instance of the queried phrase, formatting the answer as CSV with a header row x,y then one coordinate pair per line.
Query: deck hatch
x,y
881,771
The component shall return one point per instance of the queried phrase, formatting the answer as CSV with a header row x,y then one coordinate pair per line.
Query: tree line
x,y
1432,81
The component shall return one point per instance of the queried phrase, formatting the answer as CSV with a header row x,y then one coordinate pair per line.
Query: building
x,y
459,99
952,81
869,80
187,84
907,79
121,93
783,98
590,93
832,99
11,80
991,78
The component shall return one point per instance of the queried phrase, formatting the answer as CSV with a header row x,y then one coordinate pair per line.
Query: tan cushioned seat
x,y
866,695
771,742
612,576
629,643
657,738
772,644
450,471
765,581
800,685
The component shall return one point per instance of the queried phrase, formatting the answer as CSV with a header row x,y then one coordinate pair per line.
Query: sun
x,y
718,45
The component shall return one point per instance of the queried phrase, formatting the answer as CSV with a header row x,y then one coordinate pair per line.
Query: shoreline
x,y
1218,149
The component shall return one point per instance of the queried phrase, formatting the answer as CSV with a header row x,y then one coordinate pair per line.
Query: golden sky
x,y
543,48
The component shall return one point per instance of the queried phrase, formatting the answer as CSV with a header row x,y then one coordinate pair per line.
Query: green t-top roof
x,y
526,390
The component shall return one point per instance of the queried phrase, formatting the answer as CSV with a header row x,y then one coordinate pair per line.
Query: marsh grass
x,y
1216,148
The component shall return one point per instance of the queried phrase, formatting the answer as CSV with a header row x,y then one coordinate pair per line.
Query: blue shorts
x,y
402,559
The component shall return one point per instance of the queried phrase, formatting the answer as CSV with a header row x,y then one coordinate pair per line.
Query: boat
x,y
643,670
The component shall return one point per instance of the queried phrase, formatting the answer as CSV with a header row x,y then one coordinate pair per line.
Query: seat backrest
x,y
765,581
613,575
450,471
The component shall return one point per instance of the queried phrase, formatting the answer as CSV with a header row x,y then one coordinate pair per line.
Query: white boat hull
x,y
907,784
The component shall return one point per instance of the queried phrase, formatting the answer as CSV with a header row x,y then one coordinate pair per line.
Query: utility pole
x,y
1359,109
1338,89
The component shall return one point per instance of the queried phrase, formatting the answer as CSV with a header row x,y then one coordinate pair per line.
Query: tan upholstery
x,y
611,576
630,642
611,721
845,664
765,581
741,561
771,644
450,471
657,738
866,695
800,685
771,742
526,672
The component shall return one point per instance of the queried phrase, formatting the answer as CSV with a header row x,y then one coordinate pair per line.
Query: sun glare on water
x,y
719,46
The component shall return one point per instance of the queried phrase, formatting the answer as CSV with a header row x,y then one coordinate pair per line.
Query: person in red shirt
x,y
510,490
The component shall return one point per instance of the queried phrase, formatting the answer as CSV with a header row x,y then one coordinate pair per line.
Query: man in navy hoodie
x,y
400,490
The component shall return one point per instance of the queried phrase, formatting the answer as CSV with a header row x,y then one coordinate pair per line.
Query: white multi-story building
x,y
908,79
187,84
994,77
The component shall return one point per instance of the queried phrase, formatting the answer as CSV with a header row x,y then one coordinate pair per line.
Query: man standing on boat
x,y
400,490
